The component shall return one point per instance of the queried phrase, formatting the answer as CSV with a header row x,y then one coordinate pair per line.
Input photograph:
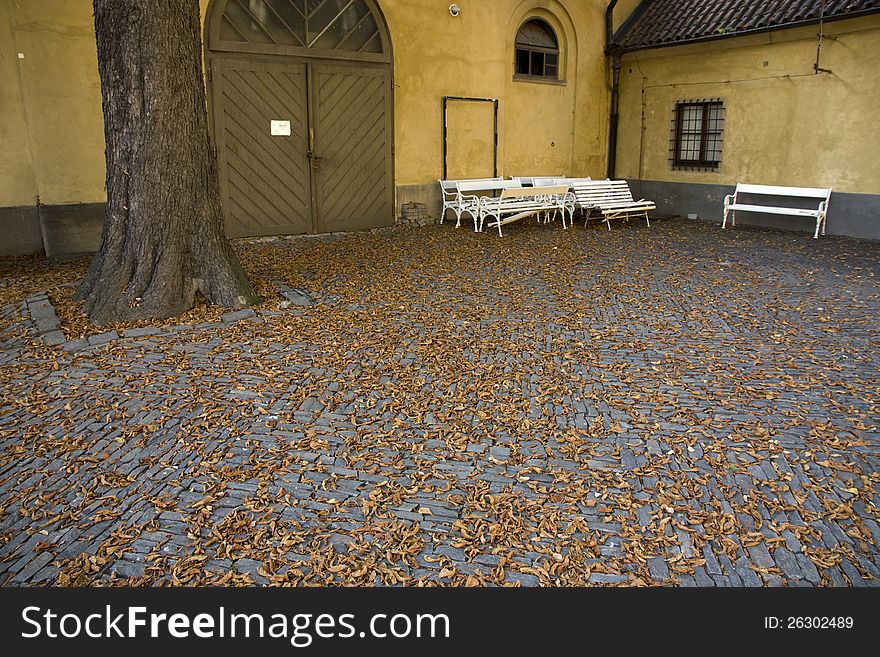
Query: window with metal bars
x,y
537,51
697,134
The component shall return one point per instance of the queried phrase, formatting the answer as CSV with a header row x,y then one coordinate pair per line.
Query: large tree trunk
x,y
163,238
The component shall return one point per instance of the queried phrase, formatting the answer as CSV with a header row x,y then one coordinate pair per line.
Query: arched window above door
x,y
340,25
537,51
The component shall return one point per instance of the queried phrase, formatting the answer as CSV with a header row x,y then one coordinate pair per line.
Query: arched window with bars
x,y
347,25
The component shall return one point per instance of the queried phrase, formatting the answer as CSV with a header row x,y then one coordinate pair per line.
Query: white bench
x,y
570,200
732,205
452,199
517,203
471,200
612,198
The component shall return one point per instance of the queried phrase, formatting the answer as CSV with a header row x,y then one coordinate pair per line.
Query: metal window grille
x,y
697,134
323,24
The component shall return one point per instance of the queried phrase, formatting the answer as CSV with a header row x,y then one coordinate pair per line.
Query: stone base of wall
x,y
56,230
75,229
72,229
850,215
20,231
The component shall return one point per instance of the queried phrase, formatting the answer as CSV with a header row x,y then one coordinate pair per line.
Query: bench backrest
x,y
775,190
596,192
482,186
524,192
565,181
449,187
452,181
533,181
545,182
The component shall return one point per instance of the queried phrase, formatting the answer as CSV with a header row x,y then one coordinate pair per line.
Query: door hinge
x,y
210,72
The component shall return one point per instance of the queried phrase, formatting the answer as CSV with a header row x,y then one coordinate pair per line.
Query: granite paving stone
x,y
672,405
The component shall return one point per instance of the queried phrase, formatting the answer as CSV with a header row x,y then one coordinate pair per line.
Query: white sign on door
x,y
281,128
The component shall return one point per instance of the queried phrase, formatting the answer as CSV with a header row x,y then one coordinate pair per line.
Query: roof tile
x,y
668,22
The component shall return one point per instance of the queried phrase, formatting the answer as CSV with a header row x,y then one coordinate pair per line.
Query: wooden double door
x,y
302,146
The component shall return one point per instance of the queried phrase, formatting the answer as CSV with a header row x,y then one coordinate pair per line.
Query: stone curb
x,y
45,321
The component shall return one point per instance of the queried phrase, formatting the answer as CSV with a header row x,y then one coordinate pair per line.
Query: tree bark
x,y
163,238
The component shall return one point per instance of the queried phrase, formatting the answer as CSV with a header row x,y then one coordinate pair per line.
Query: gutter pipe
x,y
614,51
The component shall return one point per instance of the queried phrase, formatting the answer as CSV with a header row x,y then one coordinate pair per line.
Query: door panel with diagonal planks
x,y
324,66
352,122
264,178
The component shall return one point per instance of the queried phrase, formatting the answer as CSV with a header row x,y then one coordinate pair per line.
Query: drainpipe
x,y
609,24
612,50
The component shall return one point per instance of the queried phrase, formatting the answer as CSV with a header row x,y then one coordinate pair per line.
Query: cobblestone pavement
x,y
676,405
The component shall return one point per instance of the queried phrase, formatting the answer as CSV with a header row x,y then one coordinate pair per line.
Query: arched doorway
x,y
301,111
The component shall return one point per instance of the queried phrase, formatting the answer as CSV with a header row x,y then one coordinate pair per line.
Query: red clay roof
x,y
657,23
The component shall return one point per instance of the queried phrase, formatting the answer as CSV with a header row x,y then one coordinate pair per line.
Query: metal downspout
x,y
612,50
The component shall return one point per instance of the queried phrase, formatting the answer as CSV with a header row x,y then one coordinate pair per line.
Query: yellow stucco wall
x,y
784,124
54,90
543,128
17,184
51,124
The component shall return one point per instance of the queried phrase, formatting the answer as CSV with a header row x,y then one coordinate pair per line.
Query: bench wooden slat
x,y
482,186
599,199
776,190
514,192
635,205
769,209
529,181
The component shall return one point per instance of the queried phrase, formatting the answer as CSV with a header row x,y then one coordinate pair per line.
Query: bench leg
x,y
646,219
491,224
818,224
474,215
731,214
